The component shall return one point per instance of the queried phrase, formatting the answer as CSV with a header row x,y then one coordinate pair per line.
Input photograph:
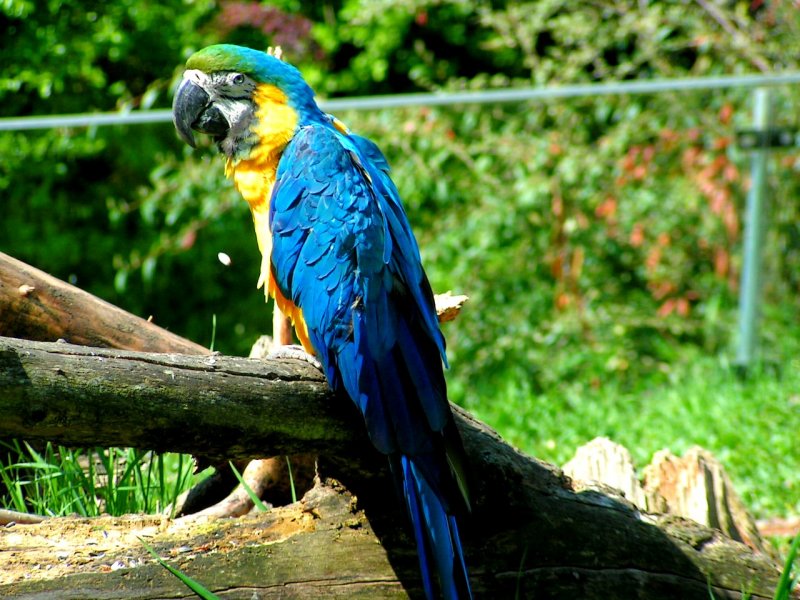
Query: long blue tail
x,y
436,533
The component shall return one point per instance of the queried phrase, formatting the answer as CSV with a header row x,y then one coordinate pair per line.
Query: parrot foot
x,y
296,352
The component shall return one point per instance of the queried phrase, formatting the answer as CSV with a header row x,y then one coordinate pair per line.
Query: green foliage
x,y
597,227
598,237
84,57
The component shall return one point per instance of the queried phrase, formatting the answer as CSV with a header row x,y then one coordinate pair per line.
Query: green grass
x,y
291,479
260,506
60,481
750,424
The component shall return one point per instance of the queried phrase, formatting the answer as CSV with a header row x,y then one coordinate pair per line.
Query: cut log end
x,y
694,487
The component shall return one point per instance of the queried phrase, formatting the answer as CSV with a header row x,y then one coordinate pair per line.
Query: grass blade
x,y
291,479
213,331
256,500
192,584
788,577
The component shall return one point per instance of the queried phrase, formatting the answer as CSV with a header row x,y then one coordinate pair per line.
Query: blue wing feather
x,y
343,251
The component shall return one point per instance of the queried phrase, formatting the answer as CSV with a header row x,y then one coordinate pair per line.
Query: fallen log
x,y
37,306
533,531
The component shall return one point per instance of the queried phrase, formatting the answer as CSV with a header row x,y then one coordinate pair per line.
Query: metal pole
x,y
750,283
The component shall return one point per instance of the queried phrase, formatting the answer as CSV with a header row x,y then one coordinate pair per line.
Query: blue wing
x,y
344,253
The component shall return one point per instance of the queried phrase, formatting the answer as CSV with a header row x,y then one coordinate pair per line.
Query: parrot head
x,y
220,94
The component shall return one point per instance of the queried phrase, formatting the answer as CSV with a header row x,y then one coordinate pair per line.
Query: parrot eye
x,y
237,79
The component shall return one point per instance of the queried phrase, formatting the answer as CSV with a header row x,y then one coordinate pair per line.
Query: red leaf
x,y
188,239
667,308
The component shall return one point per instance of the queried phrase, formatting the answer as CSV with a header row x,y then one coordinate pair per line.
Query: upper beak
x,y
189,103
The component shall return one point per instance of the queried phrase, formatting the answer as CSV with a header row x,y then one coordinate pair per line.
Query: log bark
x,y
226,407
533,532
38,306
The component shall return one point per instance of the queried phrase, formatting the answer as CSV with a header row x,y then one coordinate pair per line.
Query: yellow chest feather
x,y
275,122
254,177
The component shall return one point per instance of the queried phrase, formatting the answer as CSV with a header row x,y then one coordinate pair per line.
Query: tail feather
x,y
436,533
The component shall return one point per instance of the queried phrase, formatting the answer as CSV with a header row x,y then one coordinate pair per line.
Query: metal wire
x,y
432,99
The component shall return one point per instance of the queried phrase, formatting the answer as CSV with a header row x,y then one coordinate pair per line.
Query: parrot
x,y
342,263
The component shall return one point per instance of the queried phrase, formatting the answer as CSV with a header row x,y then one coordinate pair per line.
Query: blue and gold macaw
x,y
341,261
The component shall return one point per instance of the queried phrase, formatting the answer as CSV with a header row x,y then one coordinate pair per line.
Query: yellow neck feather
x,y
254,176
275,122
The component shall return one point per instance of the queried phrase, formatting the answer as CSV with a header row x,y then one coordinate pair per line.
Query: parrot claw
x,y
296,352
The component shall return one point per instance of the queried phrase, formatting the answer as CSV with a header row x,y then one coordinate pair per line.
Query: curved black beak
x,y
194,108
189,103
